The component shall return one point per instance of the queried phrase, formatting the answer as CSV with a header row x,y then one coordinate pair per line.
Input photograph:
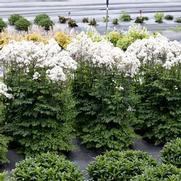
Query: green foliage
x,y
160,173
62,19
114,36
171,153
13,18
102,105
115,165
40,17
22,24
3,25
72,23
178,20
46,167
3,149
169,17
85,20
125,17
93,22
115,21
159,17
132,35
40,115
4,176
159,103
46,23
141,19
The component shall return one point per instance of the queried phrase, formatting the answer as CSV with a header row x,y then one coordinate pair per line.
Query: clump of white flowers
x,y
50,56
156,50
4,91
102,54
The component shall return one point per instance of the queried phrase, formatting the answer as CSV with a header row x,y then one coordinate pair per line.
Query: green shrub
x,y
160,173
115,21
103,116
171,153
72,23
3,149
4,176
40,115
133,34
46,23
46,166
169,17
124,42
159,105
22,24
178,20
85,20
113,37
115,165
3,25
159,17
62,19
125,17
93,22
105,19
40,17
13,18
141,19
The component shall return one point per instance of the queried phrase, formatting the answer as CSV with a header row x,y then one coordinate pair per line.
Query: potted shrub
x,y
169,17
72,23
85,20
46,23
62,19
93,22
115,21
178,20
39,17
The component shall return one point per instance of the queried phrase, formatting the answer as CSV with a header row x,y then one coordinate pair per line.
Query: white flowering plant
x,y
40,114
101,88
158,88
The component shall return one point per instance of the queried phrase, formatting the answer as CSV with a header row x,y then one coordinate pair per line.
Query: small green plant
x,y
141,19
3,25
46,23
48,167
105,19
4,176
115,165
85,20
22,24
13,18
124,42
171,153
169,17
160,173
114,36
115,21
178,20
3,149
39,17
62,19
159,17
93,22
125,16
72,23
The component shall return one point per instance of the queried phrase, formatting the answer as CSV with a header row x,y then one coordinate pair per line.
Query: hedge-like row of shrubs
x,y
111,166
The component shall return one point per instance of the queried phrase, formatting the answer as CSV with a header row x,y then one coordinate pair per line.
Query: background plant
x,y
125,16
13,18
4,141
62,39
159,17
46,23
171,153
22,24
3,25
46,167
40,17
169,17
115,165
160,173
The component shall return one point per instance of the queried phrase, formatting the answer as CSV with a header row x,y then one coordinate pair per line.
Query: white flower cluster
x,y
50,56
156,50
102,54
4,91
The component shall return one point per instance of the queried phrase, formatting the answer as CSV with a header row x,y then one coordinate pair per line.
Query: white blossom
x,y
4,91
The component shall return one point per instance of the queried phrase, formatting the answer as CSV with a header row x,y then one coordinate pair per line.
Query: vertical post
x,y
107,14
